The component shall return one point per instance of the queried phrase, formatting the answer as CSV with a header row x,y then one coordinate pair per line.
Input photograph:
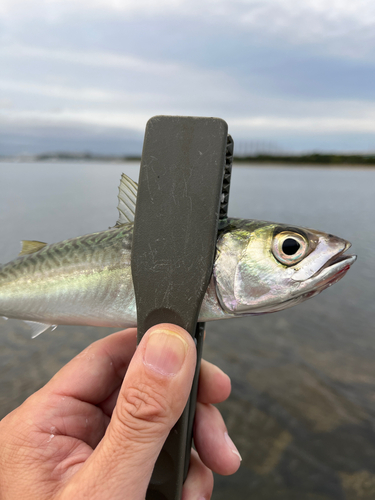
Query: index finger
x,y
96,372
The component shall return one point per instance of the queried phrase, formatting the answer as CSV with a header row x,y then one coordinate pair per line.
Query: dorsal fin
x,y
28,246
127,198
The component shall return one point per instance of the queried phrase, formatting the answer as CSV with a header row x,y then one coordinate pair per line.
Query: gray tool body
x,y
183,191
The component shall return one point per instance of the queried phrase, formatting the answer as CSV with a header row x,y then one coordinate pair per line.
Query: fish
x,y
260,267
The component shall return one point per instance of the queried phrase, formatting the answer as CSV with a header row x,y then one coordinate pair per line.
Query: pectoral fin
x,y
36,328
31,246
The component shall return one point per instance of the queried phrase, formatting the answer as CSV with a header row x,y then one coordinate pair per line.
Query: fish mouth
x,y
332,272
334,269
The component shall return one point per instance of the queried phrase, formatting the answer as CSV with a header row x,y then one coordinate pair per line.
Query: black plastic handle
x,y
180,197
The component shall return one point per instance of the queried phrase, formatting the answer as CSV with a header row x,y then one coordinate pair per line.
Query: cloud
x,y
100,59
359,117
127,82
303,125
67,118
278,67
342,26
37,133
61,92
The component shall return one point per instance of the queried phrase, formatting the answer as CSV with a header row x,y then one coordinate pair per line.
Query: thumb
x,y
152,397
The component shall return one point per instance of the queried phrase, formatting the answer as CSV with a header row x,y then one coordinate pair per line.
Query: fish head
x,y
265,267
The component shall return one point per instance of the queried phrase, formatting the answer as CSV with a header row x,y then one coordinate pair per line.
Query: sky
x,y
287,75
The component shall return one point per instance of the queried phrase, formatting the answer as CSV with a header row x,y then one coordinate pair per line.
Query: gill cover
x,y
245,268
230,248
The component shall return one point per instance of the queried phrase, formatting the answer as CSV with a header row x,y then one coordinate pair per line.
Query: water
x,y
302,409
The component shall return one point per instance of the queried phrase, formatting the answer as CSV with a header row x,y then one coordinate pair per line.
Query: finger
x,y
153,395
215,448
214,387
199,482
69,417
214,384
98,371
108,405
70,400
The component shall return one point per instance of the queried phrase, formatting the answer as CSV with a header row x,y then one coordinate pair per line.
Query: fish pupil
x,y
290,246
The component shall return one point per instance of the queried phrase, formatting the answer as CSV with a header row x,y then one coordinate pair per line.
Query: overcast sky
x,y
85,75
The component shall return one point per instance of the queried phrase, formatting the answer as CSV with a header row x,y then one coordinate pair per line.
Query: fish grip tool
x,y
183,191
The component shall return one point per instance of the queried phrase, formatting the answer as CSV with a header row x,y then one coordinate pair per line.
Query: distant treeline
x,y
326,159
314,158
82,156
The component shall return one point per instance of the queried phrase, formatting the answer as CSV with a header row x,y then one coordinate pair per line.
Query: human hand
x,y
91,433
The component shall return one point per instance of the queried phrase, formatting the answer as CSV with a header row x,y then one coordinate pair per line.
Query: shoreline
x,y
236,163
321,166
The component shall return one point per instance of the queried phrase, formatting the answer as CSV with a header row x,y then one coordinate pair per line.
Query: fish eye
x,y
289,248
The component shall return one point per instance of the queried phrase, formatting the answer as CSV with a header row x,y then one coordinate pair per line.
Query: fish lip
x,y
336,259
339,257
333,270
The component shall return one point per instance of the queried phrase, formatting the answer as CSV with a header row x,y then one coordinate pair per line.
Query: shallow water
x,y
302,409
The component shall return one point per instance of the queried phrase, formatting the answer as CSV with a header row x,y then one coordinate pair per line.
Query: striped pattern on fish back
x,y
102,249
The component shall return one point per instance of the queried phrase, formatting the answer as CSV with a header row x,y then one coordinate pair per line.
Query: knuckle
x,y
142,405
